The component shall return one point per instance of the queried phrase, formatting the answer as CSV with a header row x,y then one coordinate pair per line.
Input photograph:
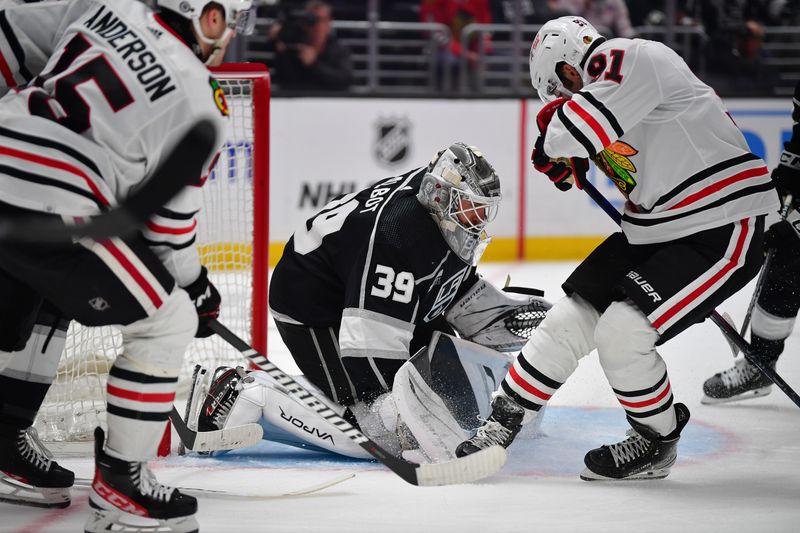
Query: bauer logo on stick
x,y
219,96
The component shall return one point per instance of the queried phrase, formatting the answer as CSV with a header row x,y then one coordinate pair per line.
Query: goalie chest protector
x,y
378,250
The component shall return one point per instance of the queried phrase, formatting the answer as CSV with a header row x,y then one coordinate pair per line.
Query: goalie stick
x,y
182,166
221,439
86,483
463,470
728,329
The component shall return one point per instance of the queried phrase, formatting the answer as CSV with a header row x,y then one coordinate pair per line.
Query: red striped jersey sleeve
x,y
625,90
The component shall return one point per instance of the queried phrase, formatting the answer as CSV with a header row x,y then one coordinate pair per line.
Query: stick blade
x,y
734,348
464,469
228,438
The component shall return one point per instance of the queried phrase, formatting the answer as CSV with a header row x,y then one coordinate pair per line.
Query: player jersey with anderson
x,y
66,142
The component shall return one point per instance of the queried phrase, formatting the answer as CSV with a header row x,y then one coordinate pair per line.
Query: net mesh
x,y
75,404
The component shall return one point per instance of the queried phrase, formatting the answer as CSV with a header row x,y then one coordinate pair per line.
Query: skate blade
x,y
16,492
661,473
749,395
103,521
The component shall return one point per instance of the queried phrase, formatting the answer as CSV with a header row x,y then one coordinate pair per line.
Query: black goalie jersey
x,y
374,266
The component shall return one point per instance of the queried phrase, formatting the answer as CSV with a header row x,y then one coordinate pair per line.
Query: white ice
x,y
739,466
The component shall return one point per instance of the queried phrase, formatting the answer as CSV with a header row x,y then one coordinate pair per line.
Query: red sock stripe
x,y
647,403
150,397
527,386
172,231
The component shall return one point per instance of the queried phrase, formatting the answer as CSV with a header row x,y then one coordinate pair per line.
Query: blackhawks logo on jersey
x,y
615,162
219,96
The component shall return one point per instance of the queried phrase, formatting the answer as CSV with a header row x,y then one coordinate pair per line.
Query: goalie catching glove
x,y
564,171
501,320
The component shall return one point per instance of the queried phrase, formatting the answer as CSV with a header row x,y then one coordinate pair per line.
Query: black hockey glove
x,y
787,174
206,300
779,235
559,170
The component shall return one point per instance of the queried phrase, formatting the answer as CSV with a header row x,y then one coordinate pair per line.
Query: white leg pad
x,y
626,345
563,338
157,343
288,420
153,346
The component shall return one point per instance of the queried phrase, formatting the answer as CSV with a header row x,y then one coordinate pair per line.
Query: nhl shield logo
x,y
393,143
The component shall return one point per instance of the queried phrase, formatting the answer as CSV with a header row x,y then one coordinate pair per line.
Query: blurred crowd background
x,y
479,48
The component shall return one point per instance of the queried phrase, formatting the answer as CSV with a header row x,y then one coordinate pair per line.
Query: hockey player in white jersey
x,y
366,283
778,303
98,93
692,232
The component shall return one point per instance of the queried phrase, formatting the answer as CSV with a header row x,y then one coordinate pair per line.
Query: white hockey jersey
x,y
678,157
100,92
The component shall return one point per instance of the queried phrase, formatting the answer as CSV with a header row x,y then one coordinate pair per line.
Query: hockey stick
x,y
221,439
728,330
463,470
180,167
86,483
762,277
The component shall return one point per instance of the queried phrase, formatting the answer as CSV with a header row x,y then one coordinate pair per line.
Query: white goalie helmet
x,y
461,190
240,15
567,40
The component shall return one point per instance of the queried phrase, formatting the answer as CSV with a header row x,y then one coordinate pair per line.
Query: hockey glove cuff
x,y
206,301
563,172
546,113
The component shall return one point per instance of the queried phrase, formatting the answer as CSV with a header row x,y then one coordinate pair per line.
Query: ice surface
x,y
738,468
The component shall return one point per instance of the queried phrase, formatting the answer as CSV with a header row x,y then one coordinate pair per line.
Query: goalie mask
x,y
240,15
563,40
461,190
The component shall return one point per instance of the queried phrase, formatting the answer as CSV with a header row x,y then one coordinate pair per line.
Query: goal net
x,y
233,244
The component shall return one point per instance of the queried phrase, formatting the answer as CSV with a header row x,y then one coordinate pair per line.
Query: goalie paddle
x,y
183,165
731,335
221,439
462,470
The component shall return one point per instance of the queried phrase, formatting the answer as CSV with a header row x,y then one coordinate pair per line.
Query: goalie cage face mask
x,y
562,40
462,192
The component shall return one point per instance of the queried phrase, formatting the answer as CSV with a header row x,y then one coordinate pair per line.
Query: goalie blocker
x,y
436,400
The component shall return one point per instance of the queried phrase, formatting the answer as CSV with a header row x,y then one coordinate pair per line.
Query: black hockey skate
x,y
28,475
643,455
743,381
500,428
126,492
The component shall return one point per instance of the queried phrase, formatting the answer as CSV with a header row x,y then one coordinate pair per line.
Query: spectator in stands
x,y
741,69
307,55
457,14
525,11
611,15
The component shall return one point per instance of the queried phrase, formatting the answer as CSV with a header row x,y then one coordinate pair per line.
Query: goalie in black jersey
x,y
778,302
367,282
